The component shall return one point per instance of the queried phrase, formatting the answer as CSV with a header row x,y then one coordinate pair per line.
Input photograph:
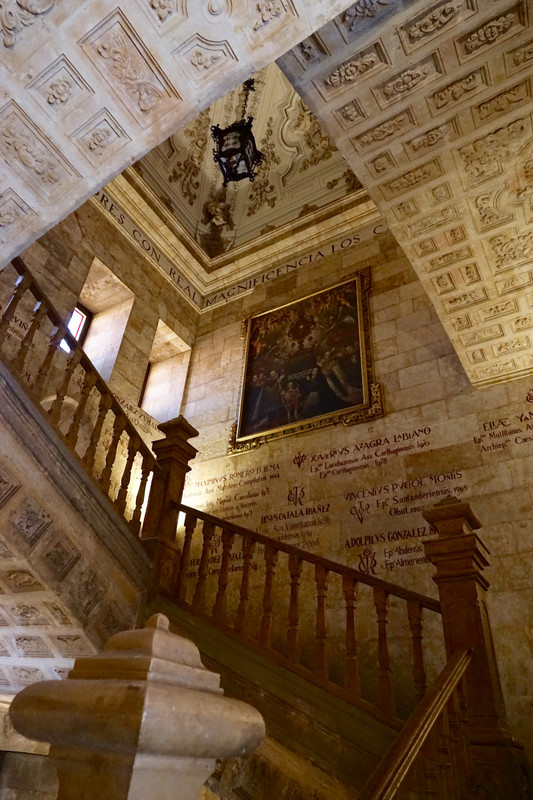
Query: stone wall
x,y
354,494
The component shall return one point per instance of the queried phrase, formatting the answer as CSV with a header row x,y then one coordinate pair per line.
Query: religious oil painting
x,y
308,364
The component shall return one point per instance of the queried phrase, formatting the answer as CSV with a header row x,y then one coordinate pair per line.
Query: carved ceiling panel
x,y
302,171
87,87
431,105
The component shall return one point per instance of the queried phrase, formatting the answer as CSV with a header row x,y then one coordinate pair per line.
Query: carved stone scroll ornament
x,y
434,20
128,73
30,151
268,10
59,91
455,91
385,130
8,216
408,79
363,9
262,191
351,70
482,158
489,33
18,14
163,8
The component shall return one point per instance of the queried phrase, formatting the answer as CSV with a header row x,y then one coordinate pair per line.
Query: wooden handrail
x,y
384,782
114,473
312,558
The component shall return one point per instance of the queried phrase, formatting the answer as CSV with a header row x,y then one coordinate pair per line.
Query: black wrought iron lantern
x,y
236,152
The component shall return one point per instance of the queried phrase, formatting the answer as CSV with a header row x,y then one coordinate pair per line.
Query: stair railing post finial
x,y
460,557
173,454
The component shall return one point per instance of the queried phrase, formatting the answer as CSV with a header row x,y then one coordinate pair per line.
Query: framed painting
x,y
307,364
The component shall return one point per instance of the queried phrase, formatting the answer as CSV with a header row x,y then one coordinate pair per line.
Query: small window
x,y
78,326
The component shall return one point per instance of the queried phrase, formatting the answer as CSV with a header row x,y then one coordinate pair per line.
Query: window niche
x,y
164,383
109,302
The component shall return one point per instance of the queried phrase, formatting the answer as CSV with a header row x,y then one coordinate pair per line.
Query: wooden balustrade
x,y
253,588
431,756
59,377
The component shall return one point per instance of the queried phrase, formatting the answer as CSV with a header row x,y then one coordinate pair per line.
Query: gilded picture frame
x,y
307,364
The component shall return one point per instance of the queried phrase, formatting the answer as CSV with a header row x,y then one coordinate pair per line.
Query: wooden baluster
x,y
352,679
414,614
106,401
19,360
271,559
122,496
219,609
118,427
21,285
321,656
190,525
37,387
57,405
386,701
88,383
443,762
455,746
208,530
248,552
295,570
139,500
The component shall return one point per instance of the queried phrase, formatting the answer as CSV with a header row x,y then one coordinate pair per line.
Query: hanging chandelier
x,y
236,152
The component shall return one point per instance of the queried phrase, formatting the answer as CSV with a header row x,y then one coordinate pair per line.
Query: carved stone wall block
x,y
18,17
499,309
409,80
22,675
477,356
482,335
426,247
21,580
434,21
466,299
8,484
70,645
31,646
485,210
496,370
439,194
501,26
432,139
461,322
110,621
362,16
510,249
25,613
57,614
412,179
265,17
390,129
459,91
5,552
128,67
522,323
164,11
444,283
406,209
30,521
461,254
519,58
60,87
13,216
201,59
100,137
31,155
484,158
380,164
434,220
311,51
455,235
502,103
5,652
350,114
4,621
470,273
352,71
59,556
514,283
86,590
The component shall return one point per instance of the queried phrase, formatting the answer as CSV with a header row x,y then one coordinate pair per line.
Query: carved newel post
x,y
142,720
173,454
460,557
